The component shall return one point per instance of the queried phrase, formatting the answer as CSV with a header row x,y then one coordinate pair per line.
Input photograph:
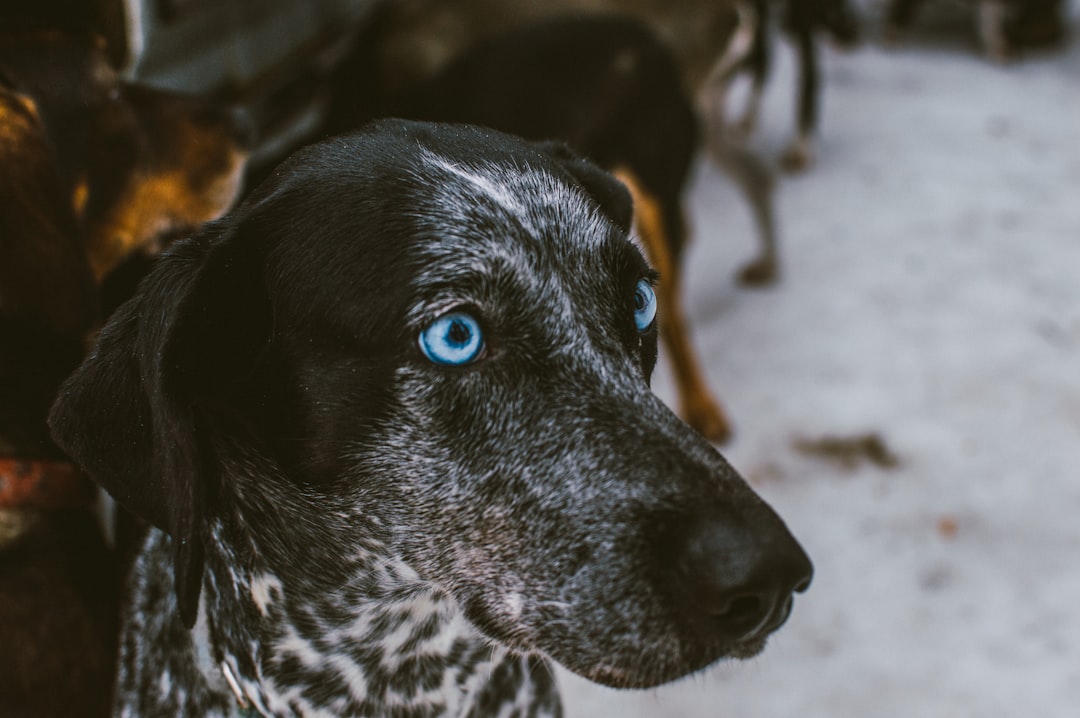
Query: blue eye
x,y
644,305
453,339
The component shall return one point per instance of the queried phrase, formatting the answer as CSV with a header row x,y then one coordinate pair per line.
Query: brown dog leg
x,y
696,403
757,182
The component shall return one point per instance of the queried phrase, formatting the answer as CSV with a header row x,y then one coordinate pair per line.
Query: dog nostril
x,y
741,570
740,609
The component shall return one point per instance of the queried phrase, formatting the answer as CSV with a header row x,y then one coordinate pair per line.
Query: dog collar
x,y
41,484
221,672
246,709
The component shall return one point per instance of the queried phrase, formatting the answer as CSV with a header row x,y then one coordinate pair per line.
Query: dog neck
x,y
307,609
260,649
392,644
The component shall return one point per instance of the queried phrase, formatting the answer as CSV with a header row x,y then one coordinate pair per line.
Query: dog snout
x,y
740,574
182,119
234,121
242,128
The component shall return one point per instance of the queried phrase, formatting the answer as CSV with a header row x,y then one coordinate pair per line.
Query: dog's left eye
x,y
453,339
644,305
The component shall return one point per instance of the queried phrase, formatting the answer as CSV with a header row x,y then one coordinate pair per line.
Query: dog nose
x,y
741,573
231,121
242,127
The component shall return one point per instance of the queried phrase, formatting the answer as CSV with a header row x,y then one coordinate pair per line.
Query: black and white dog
x,y
391,422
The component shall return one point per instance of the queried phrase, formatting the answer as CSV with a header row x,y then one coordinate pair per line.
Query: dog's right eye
x,y
453,339
644,305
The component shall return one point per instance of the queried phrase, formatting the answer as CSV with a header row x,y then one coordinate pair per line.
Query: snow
x,y
930,296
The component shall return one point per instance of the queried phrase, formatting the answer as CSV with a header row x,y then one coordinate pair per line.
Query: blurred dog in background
x,y
92,170
708,38
803,21
1005,27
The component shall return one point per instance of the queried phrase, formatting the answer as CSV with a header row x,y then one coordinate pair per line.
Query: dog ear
x,y
138,413
609,193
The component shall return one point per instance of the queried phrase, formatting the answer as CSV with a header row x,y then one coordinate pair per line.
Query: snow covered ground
x,y
931,296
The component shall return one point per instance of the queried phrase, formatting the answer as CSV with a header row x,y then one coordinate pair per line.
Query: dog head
x,y
45,280
436,339
132,163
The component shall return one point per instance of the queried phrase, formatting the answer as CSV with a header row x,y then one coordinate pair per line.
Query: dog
x,y
1005,27
409,41
133,162
91,169
418,37
608,87
391,421
803,21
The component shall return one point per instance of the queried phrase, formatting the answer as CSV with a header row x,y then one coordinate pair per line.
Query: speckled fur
x,y
335,654
355,531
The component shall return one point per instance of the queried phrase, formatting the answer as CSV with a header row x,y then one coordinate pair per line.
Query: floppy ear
x,y
137,414
610,194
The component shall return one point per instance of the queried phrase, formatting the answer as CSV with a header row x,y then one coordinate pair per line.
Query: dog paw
x,y
759,273
709,420
797,158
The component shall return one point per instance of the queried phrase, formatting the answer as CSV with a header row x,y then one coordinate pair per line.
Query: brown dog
x,y
92,169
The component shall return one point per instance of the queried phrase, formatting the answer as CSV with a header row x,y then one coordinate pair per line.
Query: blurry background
x,y
930,298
